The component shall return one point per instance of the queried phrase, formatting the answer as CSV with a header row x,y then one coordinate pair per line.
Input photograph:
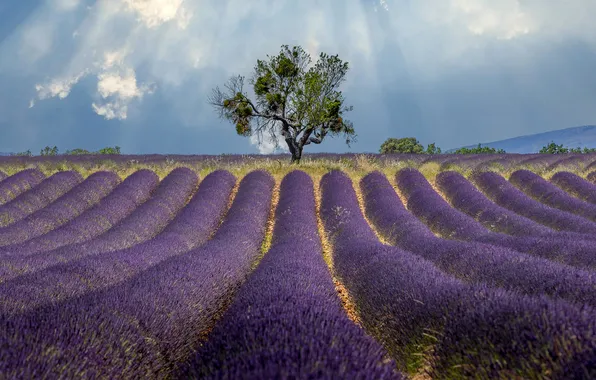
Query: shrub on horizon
x,y
47,151
407,145
553,148
479,150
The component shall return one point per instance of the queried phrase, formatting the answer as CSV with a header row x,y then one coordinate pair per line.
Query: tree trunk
x,y
296,156
295,150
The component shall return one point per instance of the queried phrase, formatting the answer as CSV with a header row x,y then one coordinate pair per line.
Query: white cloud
x,y
503,19
59,87
121,85
266,144
154,13
113,58
112,110
121,88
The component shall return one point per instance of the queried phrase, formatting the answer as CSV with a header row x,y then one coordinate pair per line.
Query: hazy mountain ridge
x,y
584,136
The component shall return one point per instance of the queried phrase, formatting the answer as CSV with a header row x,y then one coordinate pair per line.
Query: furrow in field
x,y
591,177
425,317
130,194
590,167
539,162
575,185
577,162
465,197
190,229
144,223
424,202
38,197
146,326
503,193
124,200
471,261
546,193
345,298
286,320
2,176
70,205
18,183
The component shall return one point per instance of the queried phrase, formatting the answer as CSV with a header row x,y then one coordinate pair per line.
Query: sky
x,y
137,73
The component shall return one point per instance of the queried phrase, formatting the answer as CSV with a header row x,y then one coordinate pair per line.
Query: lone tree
x,y
302,105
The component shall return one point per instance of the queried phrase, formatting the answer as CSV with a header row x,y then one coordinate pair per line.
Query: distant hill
x,y
570,137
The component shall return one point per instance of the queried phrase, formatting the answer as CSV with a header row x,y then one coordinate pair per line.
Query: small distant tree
x,y
301,104
432,149
106,150
407,145
553,148
403,145
47,151
109,150
26,153
479,150
77,151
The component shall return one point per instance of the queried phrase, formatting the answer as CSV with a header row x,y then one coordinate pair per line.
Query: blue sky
x,y
136,73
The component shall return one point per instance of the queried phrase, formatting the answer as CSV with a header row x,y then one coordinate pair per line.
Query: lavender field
x,y
344,267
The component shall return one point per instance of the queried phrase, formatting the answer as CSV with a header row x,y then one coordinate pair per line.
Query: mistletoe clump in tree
x,y
300,104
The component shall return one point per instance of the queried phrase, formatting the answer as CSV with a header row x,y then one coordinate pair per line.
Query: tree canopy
x,y
553,148
291,100
478,150
407,145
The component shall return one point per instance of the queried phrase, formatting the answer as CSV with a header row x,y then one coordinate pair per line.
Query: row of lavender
x,y
442,307
259,317
106,278
146,313
510,161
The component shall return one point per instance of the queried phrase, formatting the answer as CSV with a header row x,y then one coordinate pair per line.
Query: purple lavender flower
x,y
287,321
39,197
472,261
502,192
18,183
142,224
146,326
190,229
550,195
426,318
575,185
465,197
566,247
68,206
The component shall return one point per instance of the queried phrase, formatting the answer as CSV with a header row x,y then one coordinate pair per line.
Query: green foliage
x,y
301,104
553,148
77,151
109,150
407,145
432,149
53,151
478,150
26,153
47,151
